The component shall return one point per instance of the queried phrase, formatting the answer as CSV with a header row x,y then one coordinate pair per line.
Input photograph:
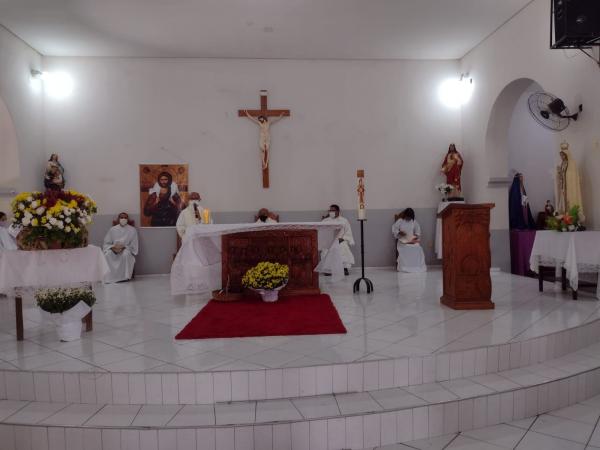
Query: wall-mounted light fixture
x,y
456,92
56,84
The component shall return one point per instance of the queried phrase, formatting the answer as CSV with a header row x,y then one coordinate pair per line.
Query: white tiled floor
x,y
135,322
572,428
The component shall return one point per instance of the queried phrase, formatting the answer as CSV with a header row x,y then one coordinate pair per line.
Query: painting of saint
x,y
163,192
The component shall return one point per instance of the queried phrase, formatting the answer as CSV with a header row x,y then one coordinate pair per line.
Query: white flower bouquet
x,y
54,219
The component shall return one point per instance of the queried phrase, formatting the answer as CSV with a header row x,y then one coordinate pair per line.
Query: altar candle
x,y
362,212
206,216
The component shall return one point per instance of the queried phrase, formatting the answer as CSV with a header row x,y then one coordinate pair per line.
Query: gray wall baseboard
x,y
157,245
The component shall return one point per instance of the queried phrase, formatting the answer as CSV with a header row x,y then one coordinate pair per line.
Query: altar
x,y
29,270
576,252
214,257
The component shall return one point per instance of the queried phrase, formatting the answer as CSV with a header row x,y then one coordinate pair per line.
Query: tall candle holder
x,y
362,218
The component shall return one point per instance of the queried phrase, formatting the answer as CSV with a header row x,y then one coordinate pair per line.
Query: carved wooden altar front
x,y
296,248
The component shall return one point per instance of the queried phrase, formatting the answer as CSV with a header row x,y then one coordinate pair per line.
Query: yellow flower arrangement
x,y
266,275
58,216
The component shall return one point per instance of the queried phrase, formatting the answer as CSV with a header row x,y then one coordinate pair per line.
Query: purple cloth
x,y
521,244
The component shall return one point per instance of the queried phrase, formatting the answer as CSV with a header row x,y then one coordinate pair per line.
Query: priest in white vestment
x,y
408,232
191,215
265,216
7,242
344,237
120,249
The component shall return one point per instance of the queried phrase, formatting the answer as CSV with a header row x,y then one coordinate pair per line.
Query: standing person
x,y
120,249
163,206
344,237
193,214
408,232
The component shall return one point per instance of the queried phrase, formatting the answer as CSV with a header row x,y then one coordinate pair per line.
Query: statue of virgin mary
x,y
568,184
519,212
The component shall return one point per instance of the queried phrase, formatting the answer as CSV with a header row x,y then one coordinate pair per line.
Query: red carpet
x,y
313,314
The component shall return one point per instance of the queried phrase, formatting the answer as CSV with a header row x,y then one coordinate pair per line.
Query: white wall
x,y
532,151
21,113
9,151
383,116
520,49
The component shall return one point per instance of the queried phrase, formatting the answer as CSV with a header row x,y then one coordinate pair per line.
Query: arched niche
x,y
496,142
9,151
515,142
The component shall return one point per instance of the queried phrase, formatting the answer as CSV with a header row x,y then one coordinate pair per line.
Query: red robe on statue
x,y
452,168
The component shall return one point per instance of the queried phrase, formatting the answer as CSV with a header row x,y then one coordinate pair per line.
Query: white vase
x,y
270,295
68,324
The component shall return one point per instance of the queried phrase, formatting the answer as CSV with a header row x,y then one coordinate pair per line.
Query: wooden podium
x,y
296,248
466,256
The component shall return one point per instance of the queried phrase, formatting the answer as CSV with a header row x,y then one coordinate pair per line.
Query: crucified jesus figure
x,y
265,135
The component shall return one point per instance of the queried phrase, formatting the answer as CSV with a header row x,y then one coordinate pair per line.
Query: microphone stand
x,y
368,282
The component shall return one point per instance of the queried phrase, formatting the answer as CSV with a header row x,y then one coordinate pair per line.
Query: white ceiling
x,y
344,29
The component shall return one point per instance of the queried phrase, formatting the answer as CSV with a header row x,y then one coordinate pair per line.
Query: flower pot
x,y
54,245
26,242
69,324
269,295
69,331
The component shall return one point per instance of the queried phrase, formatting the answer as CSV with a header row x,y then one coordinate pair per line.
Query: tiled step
x,y
357,420
241,385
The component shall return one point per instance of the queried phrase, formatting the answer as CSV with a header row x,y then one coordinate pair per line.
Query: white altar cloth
x,y
576,251
197,266
47,268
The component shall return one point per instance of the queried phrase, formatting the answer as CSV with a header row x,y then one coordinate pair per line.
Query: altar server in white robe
x,y
191,215
7,242
120,249
408,232
344,237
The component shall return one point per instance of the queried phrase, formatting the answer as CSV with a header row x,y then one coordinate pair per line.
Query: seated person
x,y
408,232
345,237
266,216
190,215
7,241
120,248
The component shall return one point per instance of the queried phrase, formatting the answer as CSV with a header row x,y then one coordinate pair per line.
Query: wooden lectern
x,y
467,256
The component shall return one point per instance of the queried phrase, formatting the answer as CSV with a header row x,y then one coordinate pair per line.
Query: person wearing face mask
x,y
264,216
193,214
344,237
120,249
7,242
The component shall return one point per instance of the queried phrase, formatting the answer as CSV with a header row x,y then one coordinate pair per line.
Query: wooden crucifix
x,y
261,118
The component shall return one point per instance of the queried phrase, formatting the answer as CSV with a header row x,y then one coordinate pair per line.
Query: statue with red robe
x,y
452,168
